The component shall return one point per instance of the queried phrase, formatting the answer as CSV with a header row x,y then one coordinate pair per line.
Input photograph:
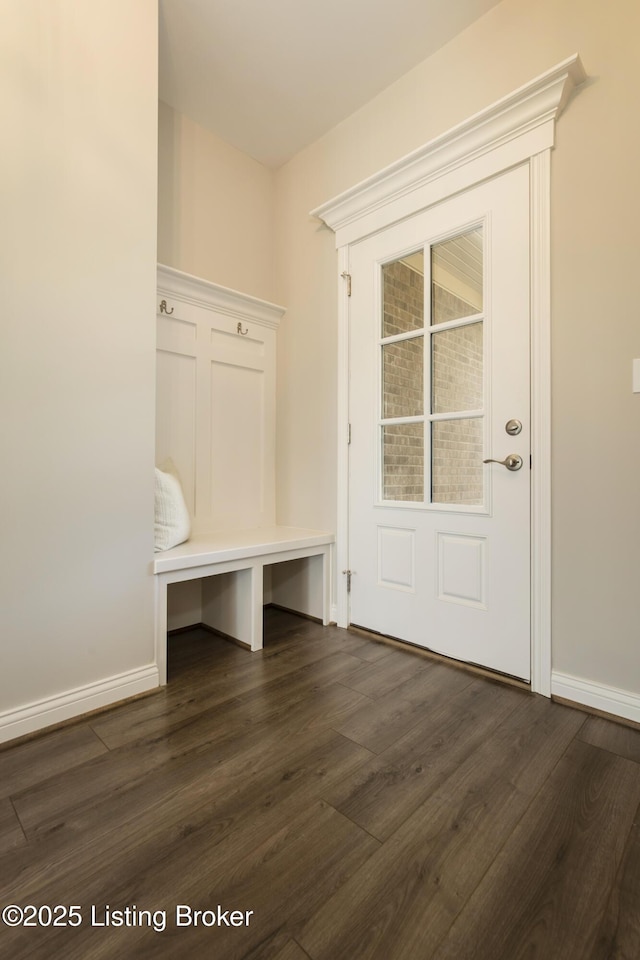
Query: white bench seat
x,y
234,605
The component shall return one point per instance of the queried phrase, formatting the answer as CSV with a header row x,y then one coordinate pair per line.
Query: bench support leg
x,y
326,587
232,604
257,599
161,629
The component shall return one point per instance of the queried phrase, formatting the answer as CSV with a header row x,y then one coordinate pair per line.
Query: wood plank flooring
x,y
361,800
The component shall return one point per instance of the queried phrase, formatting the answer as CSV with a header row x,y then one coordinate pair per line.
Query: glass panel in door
x,y
403,462
457,370
456,277
456,461
403,295
402,386
442,462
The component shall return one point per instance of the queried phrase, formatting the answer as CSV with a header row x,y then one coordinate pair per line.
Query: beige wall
x,y
78,246
596,331
215,208
77,385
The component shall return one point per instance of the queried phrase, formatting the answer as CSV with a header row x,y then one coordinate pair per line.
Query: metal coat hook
x,y
163,308
242,332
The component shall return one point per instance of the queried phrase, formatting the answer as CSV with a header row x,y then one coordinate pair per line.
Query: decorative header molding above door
x,y
508,132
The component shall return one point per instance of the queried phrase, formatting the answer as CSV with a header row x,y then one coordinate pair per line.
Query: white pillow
x,y
172,523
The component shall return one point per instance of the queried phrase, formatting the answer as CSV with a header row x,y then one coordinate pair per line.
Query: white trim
x,y
342,542
530,110
540,258
619,703
181,286
43,713
518,129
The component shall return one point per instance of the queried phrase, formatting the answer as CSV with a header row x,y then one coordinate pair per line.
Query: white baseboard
x,y
73,703
334,613
620,703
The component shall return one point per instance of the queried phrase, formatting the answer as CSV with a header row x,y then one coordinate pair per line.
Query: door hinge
x,y
348,573
347,276
348,433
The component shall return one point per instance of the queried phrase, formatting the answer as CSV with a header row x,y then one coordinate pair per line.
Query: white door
x,y
439,541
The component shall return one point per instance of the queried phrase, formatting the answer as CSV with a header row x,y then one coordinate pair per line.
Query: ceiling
x,y
271,76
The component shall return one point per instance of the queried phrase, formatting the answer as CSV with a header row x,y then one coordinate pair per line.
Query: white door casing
x,y
451,575
519,128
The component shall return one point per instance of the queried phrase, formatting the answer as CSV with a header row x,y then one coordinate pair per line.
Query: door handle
x,y
512,462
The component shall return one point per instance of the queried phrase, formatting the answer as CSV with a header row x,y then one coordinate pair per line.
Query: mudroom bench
x,y
231,565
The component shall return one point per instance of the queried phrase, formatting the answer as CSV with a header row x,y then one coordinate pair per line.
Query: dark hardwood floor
x,y
362,800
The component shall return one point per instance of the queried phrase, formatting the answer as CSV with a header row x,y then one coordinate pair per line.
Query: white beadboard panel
x,y
229,348
73,703
176,334
216,400
613,700
237,447
176,418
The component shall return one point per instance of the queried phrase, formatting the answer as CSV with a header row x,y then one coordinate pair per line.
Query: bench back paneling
x,y
215,399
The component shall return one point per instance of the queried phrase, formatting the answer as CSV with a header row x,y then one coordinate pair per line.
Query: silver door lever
x,y
512,462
